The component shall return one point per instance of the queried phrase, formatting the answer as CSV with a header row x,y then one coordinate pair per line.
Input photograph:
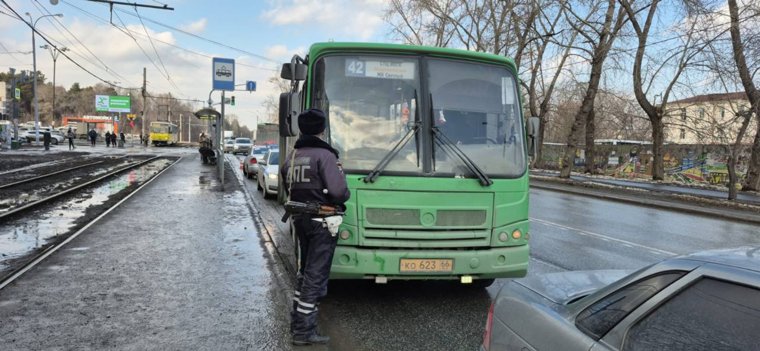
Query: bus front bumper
x,y
352,262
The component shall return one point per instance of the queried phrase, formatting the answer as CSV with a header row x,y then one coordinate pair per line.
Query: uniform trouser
x,y
71,143
317,249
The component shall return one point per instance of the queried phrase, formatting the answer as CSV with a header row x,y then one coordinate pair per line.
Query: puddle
x,y
20,236
10,203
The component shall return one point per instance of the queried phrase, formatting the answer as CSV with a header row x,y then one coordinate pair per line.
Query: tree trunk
x,y
753,169
590,129
658,138
753,95
583,113
539,163
733,156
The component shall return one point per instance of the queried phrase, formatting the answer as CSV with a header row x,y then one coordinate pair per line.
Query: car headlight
x,y
272,176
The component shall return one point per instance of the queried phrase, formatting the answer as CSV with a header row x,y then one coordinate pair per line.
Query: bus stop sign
x,y
223,74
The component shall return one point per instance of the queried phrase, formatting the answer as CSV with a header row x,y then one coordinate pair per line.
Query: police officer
x,y
313,174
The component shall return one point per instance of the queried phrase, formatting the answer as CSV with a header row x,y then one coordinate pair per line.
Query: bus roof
x,y
318,49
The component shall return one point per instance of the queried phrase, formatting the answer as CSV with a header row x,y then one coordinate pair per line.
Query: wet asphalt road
x,y
568,232
179,266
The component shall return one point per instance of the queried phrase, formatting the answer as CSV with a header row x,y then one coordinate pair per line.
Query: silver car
x,y
269,173
704,301
242,146
250,164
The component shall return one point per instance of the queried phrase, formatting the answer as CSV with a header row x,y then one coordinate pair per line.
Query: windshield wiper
x,y
451,148
370,178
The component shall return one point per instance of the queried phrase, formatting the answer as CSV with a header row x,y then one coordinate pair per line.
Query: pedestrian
x,y
46,139
93,136
108,139
113,139
313,175
123,139
71,135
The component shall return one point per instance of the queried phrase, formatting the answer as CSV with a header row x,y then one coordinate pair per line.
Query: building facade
x,y
707,119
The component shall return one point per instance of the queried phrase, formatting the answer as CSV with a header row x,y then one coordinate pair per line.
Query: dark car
x,y
704,301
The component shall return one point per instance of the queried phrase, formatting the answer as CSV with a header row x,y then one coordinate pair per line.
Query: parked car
x,y
228,145
704,301
57,137
251,162
242,146
268,173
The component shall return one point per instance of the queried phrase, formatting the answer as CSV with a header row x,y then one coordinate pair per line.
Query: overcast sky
x,y
261,33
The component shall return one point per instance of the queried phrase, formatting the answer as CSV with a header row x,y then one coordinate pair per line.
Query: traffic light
x,y
232,100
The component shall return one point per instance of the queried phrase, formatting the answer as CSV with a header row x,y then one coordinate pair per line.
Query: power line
x,y
131,33
55,47
203,38
105,67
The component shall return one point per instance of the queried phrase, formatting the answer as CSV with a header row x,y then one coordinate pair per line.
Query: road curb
x,y
282,275
669,202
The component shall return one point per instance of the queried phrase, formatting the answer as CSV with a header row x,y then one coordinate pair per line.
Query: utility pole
x,y
220,143
54,53
145,106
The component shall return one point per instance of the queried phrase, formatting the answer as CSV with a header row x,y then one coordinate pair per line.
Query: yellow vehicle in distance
x,y
163,133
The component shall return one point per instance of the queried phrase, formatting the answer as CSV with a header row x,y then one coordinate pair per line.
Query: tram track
x,y
35,178
73,188
21,265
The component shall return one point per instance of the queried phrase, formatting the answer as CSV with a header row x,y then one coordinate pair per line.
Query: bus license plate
x,y
426,265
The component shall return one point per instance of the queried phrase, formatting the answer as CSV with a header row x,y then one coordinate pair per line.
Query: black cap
x,y
312,122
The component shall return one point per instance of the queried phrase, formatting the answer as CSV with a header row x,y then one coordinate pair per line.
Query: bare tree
x,y
599,34
540,92
683,54
753,171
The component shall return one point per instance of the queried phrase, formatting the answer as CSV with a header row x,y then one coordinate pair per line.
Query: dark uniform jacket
x,y
316,168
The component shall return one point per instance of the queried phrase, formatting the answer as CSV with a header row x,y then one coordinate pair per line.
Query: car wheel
x,y
258,184
264,189
55,141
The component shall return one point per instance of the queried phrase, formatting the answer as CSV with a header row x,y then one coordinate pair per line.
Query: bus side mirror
x,y
533,127
293,71
289,111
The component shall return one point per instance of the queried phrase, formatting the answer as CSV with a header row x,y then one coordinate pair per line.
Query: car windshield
x,y
242,141
274,158
259,150
229,142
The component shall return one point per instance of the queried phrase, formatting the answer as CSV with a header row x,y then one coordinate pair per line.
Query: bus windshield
x,y
476,107
372,103
159,128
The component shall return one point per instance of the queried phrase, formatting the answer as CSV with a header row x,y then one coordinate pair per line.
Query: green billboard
x,y
116,103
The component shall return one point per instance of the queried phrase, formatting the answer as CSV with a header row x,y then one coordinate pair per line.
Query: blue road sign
x,y
250,85
223,74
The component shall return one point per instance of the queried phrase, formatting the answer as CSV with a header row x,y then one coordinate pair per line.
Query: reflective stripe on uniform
x,y
306,304
300,310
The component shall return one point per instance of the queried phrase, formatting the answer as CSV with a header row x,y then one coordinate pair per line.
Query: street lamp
x,y
54,52
33,22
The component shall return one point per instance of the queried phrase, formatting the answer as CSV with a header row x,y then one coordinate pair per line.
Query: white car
x,y
268,174
242,146
251,162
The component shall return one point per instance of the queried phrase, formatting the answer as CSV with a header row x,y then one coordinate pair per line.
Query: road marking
x,y
605,237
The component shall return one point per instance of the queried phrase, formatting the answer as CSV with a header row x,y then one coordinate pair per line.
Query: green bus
x,y
434,147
